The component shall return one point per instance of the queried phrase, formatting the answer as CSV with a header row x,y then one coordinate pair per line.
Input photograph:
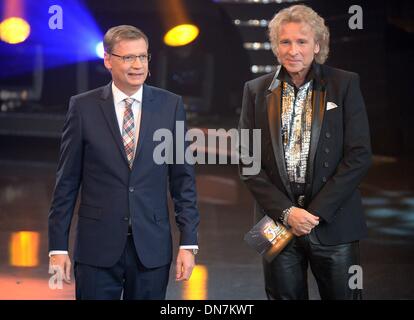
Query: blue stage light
x,y
100,50
63,31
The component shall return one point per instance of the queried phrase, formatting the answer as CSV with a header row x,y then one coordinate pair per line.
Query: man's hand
x,y
185,265
61,263
301,221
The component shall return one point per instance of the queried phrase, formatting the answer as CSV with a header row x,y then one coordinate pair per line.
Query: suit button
x,y
126,218
324,179
328,135
326,164
131,189
326,150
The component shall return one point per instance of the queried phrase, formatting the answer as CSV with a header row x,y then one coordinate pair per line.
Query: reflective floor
x,y
227,268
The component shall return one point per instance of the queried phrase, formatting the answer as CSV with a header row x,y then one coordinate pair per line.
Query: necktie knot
x,y
129,102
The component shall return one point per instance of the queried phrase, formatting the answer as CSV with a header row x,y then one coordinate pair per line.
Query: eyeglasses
x,y
131,58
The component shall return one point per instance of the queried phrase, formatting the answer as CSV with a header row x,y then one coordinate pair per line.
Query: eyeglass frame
x,y
143,58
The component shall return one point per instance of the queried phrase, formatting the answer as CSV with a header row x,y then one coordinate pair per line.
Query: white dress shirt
x,y
119,105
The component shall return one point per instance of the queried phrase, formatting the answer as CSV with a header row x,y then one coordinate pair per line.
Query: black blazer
x,y
339,156
93,159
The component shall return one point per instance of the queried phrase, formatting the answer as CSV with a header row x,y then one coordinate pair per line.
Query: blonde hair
x,y
122,32
301,13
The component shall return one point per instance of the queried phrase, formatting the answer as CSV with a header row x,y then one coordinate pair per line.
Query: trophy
x,y
268,237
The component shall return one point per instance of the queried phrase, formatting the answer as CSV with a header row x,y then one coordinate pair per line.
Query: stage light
x,y
14,30
24,249
74,41
100,50
197,287
181,35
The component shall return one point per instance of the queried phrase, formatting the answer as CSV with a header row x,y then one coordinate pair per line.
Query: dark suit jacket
x,y
92,159
339,156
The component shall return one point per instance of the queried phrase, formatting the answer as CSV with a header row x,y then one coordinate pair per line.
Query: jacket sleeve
x,y
68,180
356,160
272,200
183,188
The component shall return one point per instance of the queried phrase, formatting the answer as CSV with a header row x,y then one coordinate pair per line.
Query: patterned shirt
x,y
296,129
296,122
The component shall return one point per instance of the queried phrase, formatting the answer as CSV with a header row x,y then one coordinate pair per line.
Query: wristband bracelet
x,y
285,216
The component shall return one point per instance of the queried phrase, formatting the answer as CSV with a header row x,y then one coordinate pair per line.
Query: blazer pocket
x,y
86,211
160,216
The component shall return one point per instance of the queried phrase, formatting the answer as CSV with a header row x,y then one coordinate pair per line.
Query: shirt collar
x,y
119,96
285,77
282,75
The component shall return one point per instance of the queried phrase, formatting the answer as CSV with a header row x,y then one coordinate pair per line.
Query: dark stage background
x,y
38,76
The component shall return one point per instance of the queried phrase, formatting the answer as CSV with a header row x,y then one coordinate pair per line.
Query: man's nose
x,y
137,64
293,50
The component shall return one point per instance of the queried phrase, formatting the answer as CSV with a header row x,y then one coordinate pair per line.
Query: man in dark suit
x,y
123,243
315,148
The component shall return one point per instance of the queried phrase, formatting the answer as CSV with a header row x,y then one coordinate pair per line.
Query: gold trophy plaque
x,y
268,237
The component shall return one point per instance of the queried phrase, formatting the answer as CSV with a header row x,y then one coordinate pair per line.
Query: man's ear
x,y
317,48
107,62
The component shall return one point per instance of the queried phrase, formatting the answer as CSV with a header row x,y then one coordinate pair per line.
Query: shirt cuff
x,y
57,252
189,247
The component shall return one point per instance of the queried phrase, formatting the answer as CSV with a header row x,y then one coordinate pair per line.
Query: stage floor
x,y
226,267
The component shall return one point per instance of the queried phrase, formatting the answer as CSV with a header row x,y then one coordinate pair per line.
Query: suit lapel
x,y
318,112
108,109
147,110
273,100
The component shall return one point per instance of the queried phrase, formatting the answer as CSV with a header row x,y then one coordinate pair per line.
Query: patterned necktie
x,y
128,131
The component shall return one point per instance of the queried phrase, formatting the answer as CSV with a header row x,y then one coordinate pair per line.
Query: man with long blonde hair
x,y
315,152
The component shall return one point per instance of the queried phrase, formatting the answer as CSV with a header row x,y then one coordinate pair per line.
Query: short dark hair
x,y
122,32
